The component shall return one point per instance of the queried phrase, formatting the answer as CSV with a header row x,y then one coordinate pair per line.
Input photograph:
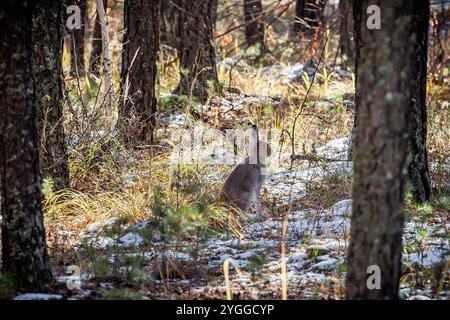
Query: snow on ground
x,y
315,244
38,296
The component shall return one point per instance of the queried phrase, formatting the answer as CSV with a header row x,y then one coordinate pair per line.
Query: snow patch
x,y
38,296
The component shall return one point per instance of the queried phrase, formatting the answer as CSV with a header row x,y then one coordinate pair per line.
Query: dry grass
x,y
109,181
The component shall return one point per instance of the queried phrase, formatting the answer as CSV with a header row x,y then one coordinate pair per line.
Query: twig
x,y
292,135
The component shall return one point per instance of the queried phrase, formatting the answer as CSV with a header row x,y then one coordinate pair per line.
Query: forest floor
x,y
136,226
120,228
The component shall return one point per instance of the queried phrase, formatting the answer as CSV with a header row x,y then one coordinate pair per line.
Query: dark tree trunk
x,y
254,22
24,250
358,23
141,45
77,40
97,45
418,168
299,24
170,23
47,37
198,73
384,87
346,45
308,15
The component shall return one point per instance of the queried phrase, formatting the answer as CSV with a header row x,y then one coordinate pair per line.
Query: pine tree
x,y
384,89
24,250
137,113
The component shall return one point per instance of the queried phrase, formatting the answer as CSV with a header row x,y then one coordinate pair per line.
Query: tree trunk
x,y
77,38
358,42
141,45
47,37
418,168
346,45
170,23
198,73
97,45
106,61
384,89
254,22
307,15
24,250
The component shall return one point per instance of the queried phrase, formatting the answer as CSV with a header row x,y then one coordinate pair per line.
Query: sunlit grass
x,y
111,181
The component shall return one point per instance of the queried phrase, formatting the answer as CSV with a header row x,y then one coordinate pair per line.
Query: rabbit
x,y
243,185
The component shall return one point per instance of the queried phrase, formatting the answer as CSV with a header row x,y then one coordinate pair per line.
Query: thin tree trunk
x,y
170,23
47,37
299,25
418,168
358,43
97,45
254,22
106,63
137,114
77,40
346,45
307,15
198,71
384,89
24,250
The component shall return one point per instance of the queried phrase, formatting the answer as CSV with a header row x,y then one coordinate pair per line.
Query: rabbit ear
x,y
253,126
254,129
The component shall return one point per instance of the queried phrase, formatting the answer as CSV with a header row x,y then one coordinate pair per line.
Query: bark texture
x,y
384,90
141,45
47,39
24,250
198,73
418,168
